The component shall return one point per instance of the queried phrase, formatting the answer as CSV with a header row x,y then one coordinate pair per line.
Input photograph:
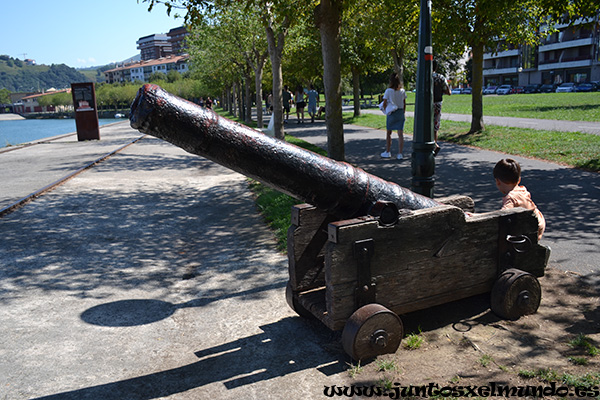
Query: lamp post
x,y
423,161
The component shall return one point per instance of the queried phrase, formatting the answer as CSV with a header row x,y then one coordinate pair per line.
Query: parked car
x,y
504,89
456,90
532,89
467,90
566,87
584,87
548,88
490,90
596,85
518,89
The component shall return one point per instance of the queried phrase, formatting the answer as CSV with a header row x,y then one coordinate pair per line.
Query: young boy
x,y
507,173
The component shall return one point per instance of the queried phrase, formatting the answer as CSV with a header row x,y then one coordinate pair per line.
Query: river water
x,y
27,130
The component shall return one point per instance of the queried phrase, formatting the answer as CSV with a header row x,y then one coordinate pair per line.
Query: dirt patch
x,y
464,343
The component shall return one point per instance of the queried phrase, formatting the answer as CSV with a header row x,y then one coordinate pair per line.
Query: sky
x,y
79,33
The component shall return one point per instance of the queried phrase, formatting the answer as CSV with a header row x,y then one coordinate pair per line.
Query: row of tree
x,y
119,96
322,40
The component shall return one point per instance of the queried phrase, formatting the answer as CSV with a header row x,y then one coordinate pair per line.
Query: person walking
x,y
313,102
440,88
270,103
300,103
394,103
287,100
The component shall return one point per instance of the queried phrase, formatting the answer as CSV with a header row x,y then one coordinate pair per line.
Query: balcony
x,y
566,62
501,54
566,44
500,71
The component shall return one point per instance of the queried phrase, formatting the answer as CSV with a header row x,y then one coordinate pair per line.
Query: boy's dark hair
x,y
394,81
507,170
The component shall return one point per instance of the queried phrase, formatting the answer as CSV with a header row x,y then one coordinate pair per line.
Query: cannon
x,y
363,251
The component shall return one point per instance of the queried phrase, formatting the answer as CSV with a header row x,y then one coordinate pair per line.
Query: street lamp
x,y
423,162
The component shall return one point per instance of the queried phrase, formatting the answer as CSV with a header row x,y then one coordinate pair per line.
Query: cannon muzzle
x,y
335,187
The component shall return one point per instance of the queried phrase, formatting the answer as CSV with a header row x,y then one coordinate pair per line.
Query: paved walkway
x,y
150,274
531,123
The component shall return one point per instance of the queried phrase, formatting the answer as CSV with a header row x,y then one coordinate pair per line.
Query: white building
x,y
570,55
141,70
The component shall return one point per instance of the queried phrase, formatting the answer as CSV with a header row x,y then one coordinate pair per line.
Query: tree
x,y
157,77
249,42
328,16
173,76
302,63
361,45
277,17
479,24
234,39
396,25
4,96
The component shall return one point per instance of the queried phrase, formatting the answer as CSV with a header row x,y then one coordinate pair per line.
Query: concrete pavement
x,y
151,274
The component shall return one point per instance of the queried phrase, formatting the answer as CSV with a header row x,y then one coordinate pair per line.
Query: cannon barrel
x,y
335,187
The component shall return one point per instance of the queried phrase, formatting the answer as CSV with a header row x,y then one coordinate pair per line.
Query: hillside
x,y
17,76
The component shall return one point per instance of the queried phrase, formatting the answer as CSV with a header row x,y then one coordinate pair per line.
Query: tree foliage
x,y
17,76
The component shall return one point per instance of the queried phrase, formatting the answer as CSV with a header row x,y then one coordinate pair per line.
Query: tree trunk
x,y
234,109
248,98
228,99
276,43
258,75
240,100
477,96
398,57
356,90
327,17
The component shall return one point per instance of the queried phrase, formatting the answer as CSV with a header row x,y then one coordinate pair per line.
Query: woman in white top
x,y
394,120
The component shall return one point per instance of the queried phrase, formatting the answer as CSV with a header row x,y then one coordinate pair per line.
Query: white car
x,y
566,87
490,90
504,89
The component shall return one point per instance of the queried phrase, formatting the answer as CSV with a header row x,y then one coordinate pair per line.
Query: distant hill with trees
x,y
18,76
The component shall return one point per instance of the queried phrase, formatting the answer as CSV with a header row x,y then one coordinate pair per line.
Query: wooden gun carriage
x,y
364,251
360,274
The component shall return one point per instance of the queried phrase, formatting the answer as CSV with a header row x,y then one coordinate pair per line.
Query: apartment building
x,y
162,45
570,55
154,46
141,70
177,38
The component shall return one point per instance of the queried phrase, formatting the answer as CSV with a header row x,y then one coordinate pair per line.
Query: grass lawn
x,y
580,150
561,106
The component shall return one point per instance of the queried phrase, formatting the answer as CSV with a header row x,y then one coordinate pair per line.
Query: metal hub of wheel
x,y
515,293
371,331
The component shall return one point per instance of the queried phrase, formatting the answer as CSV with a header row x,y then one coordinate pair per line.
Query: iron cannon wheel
x,y
515,293
370,331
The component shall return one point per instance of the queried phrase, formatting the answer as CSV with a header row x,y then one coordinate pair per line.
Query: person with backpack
x,y
440,88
